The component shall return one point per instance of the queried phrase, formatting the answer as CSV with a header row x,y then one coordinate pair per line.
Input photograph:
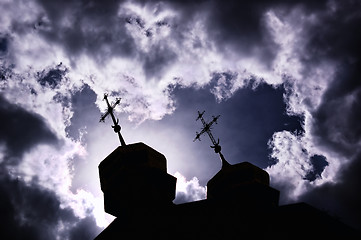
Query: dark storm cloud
x,y
21,130
30,212
336,124
91,27
340,111
239,25
100,29
337,120
249,119
337,38
341,199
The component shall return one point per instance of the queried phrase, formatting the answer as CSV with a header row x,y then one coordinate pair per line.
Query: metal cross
x,y
116,127
207,129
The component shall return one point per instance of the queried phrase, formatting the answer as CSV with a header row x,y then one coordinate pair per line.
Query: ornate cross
x,y
116,127
207,129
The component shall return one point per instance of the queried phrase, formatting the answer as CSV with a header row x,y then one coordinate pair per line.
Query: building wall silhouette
x,y
240,204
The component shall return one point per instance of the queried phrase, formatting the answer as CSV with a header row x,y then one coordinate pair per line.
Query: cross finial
x,y
116,127
207,129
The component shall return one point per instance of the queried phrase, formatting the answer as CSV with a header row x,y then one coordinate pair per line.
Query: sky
x,y
283,75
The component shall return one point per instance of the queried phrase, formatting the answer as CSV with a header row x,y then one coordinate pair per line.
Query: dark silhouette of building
x,y
240,204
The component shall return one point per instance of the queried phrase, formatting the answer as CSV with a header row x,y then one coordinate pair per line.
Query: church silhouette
x,y
240,204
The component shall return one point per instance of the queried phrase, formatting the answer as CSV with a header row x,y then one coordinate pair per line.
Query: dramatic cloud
x,y
330,66
188,191
284,75
32,212
21,131
35,199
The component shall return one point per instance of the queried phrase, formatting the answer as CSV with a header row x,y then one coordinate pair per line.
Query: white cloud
x,y
172,54
188,191
305,85
50,168
293,164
